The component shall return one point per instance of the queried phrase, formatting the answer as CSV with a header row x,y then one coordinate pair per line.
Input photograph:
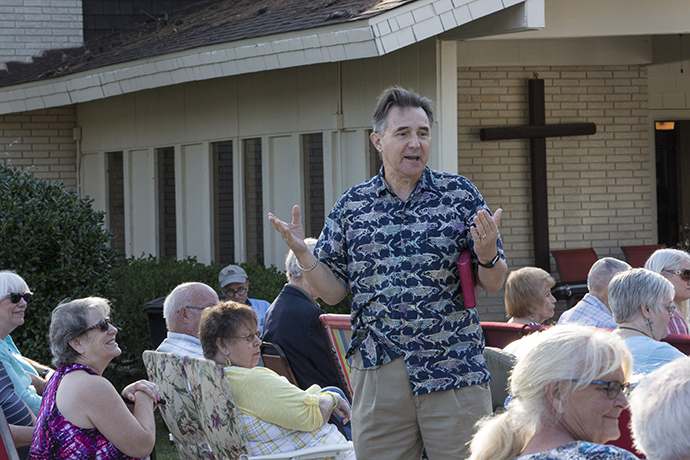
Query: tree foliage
x,y
57,242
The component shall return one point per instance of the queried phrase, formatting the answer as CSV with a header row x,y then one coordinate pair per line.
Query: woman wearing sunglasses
x,y
276,415
15,294
83,416
674,265
567,393
642,305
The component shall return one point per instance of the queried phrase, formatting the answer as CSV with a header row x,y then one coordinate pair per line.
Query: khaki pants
x,y
390,423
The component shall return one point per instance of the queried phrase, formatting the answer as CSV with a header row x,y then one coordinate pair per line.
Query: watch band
x,y
492,263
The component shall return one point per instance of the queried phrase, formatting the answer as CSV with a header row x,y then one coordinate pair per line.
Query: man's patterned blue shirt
x,y
399,260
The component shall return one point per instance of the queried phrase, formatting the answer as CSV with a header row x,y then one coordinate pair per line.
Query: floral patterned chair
x,y
180,413
221,420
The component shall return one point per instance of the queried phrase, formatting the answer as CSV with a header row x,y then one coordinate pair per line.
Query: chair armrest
x,y
303,454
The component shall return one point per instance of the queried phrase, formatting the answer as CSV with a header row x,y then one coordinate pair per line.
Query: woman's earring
x,y
649,324
227,362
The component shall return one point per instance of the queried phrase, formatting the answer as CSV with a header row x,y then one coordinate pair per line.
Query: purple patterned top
x,y
57,438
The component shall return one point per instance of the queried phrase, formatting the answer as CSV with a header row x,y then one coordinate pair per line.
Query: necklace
x,y
633,329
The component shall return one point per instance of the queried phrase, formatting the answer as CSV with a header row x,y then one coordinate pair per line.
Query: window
x,y
225,205
312,161
166,202
253,194
116,201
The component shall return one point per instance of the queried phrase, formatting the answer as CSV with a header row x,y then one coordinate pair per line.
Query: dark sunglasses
x,y
103,325
684,274
16,297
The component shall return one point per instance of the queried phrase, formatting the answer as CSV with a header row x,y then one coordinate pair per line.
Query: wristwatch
x,y
492,263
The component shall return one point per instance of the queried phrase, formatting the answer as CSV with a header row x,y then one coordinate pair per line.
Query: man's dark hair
x,y
395,96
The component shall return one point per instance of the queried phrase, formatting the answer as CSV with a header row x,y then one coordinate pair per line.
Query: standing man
x,y
234,284
593,310
419,377
182,312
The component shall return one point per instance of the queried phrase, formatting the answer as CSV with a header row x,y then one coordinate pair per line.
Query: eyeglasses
x,y
230,292
103,325
249,337
670,308
16,297
684,274
613,388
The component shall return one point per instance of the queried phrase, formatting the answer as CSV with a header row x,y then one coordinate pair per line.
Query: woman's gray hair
x,y
560,353
631,289
68,321
664,260
11,282
292,270
659,406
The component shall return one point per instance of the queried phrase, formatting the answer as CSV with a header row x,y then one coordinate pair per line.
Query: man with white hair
x,y
593,309
182,312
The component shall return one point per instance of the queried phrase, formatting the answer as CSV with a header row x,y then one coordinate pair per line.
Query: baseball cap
x,y
231,274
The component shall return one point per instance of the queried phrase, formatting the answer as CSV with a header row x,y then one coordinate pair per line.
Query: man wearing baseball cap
x,y
234,284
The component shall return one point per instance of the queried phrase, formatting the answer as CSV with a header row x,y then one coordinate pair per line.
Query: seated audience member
x,y
18,415
593,309
234,285
15,294
642,305
674,264
659,406
276,415
528,296
83,416
293,324
182,312
567,393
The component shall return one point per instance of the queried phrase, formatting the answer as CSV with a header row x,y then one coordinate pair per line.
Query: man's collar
x,y
427,181
182,336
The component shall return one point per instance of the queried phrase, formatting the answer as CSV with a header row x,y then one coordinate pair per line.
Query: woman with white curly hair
x,y
567,393
659,407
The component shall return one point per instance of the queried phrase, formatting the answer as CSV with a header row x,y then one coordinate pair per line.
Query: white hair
x,y
631,289
602,271
183,295
11,282
669,259
560,353
292,270
659,406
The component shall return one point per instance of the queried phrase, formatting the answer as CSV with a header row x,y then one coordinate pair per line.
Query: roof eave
x,y
373,37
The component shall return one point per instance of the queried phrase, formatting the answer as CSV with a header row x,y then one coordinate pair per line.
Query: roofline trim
x,y
373,37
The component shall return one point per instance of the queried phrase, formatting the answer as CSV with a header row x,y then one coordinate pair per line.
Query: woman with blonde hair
x,y
567,393
674,265
528,296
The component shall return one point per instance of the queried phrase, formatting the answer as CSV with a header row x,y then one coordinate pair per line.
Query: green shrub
x,y
55,241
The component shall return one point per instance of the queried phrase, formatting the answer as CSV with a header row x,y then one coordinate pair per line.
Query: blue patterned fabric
x,y
399,260
581,450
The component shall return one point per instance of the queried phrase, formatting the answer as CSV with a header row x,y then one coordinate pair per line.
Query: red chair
x,y
680,341
339,333
625,441
499,335
574,264
638,255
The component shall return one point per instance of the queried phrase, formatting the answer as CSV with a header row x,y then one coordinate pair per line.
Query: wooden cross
x,y
537,131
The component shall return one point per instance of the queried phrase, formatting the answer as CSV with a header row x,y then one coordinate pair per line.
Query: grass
x,y
165,450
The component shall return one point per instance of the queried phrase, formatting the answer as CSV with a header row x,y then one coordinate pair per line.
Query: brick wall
x,y
28,27
598,186
41,142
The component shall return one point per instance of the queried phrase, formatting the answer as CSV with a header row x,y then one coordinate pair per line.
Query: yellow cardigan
x,y
263,394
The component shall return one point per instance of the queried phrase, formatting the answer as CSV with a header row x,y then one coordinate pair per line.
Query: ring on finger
x,y
482,236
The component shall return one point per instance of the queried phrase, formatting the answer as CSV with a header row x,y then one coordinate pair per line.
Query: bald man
x,y
182,312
